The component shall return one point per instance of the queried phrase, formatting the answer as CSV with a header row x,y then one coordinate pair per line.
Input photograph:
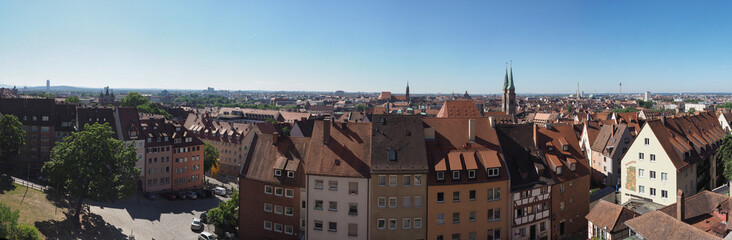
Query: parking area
x,y
156,219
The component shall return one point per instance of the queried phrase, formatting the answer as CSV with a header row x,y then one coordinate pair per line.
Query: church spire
x,y
510,79
505,79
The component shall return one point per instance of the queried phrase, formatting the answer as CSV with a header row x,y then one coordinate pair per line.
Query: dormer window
x,y
392,155
290,174
158,139
493,172
177,129
278,172
456,175
133,133
566,147
572,166
471,174
166,139
149,140
441,175
558,170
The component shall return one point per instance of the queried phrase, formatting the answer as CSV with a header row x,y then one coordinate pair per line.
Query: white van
x,y
220,191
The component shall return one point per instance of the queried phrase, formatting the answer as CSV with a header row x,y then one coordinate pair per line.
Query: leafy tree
x,y
226,214
691,110
724,154
73,99
210,157
12,138
271,120
727,105
151,108
92,165
361,107
625,110
11,229
644,104
133,99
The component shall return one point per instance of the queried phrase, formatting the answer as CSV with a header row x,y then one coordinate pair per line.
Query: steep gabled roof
x,y
347,154
687,139
609,216
459,109
405,134
657,225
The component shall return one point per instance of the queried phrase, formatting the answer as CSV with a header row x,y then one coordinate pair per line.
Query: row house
x,y
273,179
605,153
606,220
174,156
672,153
468,183
398,188
338,175
725,121
231,139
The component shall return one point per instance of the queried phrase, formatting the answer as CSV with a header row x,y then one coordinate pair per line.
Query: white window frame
x,y
268,190
290,193
471,174
415,225
267,225
381,223
381,200
395,202
440,175
455,175
406,223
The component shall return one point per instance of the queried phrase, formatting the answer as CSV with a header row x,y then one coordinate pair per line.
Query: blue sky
x,y
437,46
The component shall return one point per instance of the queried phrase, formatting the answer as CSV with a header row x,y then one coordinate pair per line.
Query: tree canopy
x,y
73,99
92,165
625,110
727,105
691,110
644,104
210,157
12,138
724,154
11,229
134,99
226,214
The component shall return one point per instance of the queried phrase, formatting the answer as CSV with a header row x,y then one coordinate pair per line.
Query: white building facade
x,y
334,210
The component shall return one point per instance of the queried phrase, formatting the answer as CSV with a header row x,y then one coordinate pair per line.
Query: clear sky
x,y
437,46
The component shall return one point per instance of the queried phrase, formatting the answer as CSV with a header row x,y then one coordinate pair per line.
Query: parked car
x,y
151,196
220,191
191,195
206,236
181,195
196,225
202,194
204,217
169,195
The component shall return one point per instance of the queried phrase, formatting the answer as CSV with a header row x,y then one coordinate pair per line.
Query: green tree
x,y
12,138
210,157
727,105
73,99
226,214
133,99
724,154
361,107
92,165
11,229
691,110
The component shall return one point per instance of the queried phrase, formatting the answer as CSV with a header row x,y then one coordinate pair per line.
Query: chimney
x,y
536,135
492,122
680,205
326,130
471,130
275,138
663,120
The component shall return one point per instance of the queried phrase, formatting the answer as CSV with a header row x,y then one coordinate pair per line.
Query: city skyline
x,y
379,46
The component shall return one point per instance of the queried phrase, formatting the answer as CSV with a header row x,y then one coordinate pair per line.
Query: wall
x,y
400,212
188,170
341,216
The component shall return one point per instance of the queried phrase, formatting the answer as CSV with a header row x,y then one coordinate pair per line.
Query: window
x,y
641,156
333,185
278,191
268,225
406,202
471,174
455,236
456,175
406,223
441,175
268,207
440,197
455,196
353,209
382,180
417,180
289,211
653,192
318,225
641,189
318,205
381,223
318,184
333,206
652,174
382,202
417,223
494,194
352,229
440,237
561,188
392,223
353,188
392,155
456,217
290,174
392,180
332,227
653,157
496,233
664,194
418,201
471,195
664,176
288,229
473,216
392,202
561,205
290,193
494,214
492,172
278,209
407,180
647,141
440,218
641,173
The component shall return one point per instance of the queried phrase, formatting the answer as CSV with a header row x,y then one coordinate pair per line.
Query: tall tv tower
x,y
621,88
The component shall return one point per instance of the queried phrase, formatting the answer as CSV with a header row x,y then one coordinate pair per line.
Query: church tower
x,y
508,99
409,100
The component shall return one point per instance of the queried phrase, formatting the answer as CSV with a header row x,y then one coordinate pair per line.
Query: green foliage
x,y
692,101
12,138
727,105
361,107
226,214
270,120
73,99
92,165
152,108
644,104
691,110
210,100
133,99
210,157
724,154
625,110
44,95
10,229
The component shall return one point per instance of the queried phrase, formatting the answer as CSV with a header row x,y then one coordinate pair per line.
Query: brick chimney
x,y
536,136
275,138
326,130
680,205
471,130
492,122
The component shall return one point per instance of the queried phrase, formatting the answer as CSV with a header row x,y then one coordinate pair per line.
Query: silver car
x,y
196,225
